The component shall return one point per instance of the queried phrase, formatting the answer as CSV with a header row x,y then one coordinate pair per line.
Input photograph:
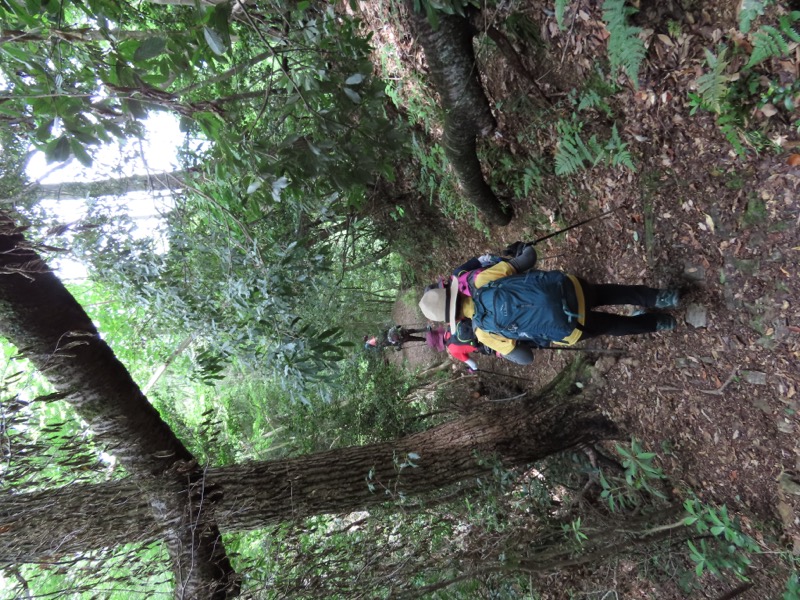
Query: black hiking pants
x,y
612,294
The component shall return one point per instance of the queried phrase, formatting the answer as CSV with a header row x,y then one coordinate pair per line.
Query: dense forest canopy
x,y
195,414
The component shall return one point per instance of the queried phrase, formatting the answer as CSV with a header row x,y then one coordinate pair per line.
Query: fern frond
x,y
625,49
732,125
734,136
749,11
617,152
589,99
768,42
712,86
561,8
565,164
570,152
569,156
623,159
787,25
574,154
593,151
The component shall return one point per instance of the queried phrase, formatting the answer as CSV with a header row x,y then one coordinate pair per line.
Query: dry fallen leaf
x,y
793,160
709,222
768,110
786,513
665,39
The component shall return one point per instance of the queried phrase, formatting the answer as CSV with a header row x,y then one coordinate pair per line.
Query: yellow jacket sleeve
x,y
495,341
498,271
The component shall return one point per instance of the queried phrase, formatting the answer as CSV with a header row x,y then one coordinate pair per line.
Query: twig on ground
x,y
517,397
720,389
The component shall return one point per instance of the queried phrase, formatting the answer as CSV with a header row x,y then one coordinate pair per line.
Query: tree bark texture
x,y
451,60
168,497
45,322
43,526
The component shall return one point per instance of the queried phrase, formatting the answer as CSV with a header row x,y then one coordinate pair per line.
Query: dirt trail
x,y
718,398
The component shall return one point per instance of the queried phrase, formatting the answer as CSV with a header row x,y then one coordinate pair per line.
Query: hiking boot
x,y
665,323
668,298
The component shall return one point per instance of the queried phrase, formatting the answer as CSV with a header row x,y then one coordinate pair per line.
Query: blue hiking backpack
x,y
527,306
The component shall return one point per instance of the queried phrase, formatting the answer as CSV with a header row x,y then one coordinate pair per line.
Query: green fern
x,y
749,11
625,49
712,86
561,7
574,154
617,153
732,130
772,42
589,99
787,25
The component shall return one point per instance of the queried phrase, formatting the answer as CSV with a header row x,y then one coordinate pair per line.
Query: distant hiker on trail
x,y
514,307
399,335
395,336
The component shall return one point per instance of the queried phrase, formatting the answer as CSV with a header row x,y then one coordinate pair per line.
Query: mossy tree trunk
x,y
40,526
169,497
451,59
41,318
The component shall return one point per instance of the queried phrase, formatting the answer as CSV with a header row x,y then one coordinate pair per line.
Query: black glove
x,y
515,249
525,259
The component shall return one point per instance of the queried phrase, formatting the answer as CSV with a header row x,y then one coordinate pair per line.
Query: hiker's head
x,y
439,304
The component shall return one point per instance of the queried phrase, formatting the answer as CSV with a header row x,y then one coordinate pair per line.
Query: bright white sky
x,y
162,138
155,153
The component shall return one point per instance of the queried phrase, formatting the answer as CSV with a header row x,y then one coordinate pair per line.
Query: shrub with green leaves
x,y
722,544
640,477
733,96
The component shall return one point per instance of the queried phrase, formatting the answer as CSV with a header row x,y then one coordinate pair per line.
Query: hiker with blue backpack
x,y
514,307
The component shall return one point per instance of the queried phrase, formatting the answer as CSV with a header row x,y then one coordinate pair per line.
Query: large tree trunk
x,y
169,497
42,319
45,525
451,60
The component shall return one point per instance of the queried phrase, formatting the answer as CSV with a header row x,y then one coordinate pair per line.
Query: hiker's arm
x,y
498,271
521,355
496,342
517,351
477,262
458,352
472,264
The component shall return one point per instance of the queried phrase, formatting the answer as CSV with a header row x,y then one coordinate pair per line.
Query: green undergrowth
x,y
739,80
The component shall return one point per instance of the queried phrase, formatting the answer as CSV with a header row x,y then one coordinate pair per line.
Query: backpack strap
x,y
579,316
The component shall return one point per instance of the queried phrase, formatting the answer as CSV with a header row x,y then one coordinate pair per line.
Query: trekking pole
x,y
541,258
490,372
594,218
611,351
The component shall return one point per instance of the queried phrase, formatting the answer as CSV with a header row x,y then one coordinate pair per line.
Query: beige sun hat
x,y
439,304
